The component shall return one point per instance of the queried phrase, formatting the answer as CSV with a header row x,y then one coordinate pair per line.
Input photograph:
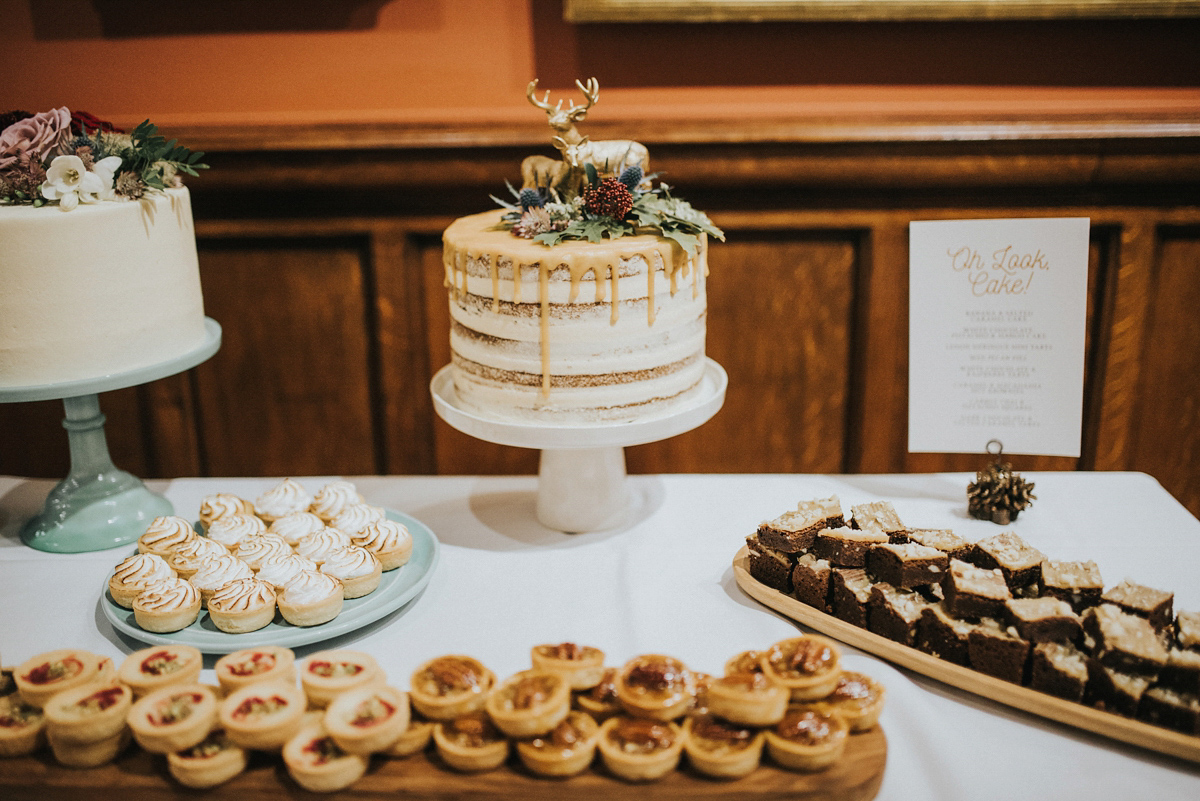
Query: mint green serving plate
x,y
397,588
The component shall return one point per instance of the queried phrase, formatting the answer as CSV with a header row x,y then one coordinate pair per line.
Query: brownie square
x,y
849,593
974,592
894,613
1113,690
847,547
1187,629
1157,606
768,566
943,636
879,515
810,581
1020,563
1182,671
998,651
907,565
1163,706
1123,641
794,532
1077,583
943,539
1059,669
1043,619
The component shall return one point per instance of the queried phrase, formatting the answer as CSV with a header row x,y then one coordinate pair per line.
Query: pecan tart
x,y
254,665
328,674
807,739
656,687
212,761
583,665
857,698
316,762
565,750
367,719
470,743
748,699
638,750
529,703
151,668
809,666
450,686
262,716
173,718
414,739
721,749
601,701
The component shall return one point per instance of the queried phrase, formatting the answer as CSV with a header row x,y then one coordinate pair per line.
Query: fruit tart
x,y
748,699
22,727
212,761
316,762
328,674
721,749
565,750
470,743
262,716
809,666
583,665
529,703
89,713
450,686
808,738
173,718
367,719
40,677
656,687
636,749
152,668
255,665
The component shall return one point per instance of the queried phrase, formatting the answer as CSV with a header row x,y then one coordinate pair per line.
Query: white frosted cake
x,y
93,282
585,301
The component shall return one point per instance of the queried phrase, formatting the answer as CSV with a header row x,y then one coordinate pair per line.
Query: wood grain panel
x,y
780,323
288,393
1168,418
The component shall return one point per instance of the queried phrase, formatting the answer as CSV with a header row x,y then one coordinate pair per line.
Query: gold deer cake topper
x,y
564,179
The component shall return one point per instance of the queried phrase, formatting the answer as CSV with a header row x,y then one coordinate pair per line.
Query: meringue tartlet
x,y
165,534
167,605
221,504
359,570
310,598
390,541
332,498
134,574
283,499
242,605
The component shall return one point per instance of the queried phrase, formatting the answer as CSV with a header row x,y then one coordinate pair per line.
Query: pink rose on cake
x,y
70,182
35,138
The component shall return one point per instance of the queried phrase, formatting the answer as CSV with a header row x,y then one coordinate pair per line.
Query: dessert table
x,y
663,583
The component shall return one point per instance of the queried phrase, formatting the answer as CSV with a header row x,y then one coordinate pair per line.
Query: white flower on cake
x,y
70,182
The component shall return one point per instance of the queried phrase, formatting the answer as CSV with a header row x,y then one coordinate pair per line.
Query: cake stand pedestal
x,y
581,473
97,506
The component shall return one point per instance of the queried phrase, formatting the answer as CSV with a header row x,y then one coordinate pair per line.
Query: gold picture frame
x,y
802,10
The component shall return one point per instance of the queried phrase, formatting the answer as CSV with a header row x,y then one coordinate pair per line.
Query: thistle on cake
x,y
599,190
65,158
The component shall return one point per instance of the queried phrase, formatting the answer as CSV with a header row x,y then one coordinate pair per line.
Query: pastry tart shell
x,y
37,693
453,704
202,772
322,690
583,673
413,740
22,738
163,738
807,687
231,669
336,774
541,716
651,705
747,706
68,726
311,614
268,731
137,669
468,759
551,760
805,757
165,621
731,764
639,767
89,755
358,586
378,735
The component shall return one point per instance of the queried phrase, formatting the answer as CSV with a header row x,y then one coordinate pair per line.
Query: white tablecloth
x,y
663,583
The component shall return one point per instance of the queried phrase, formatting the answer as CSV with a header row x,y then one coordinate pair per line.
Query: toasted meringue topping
x,y
309,586
214,507
165,534
333,498
253,550
242,595
217,570
354,519
296,526
233,529
350,562
382,536
281,568
189,555
286,497
318,546
142,569
166,595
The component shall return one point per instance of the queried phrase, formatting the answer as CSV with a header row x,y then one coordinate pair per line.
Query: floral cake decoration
x,y
599,189
65,158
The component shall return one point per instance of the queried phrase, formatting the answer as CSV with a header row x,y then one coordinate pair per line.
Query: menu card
x,y
997,317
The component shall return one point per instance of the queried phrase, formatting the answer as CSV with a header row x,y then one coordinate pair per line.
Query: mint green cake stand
x,y
97,506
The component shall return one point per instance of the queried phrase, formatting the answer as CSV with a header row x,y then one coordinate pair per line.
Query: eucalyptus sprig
x,y
154,158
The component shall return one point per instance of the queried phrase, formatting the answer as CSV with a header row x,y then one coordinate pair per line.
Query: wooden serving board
x,y
1144,735
137,774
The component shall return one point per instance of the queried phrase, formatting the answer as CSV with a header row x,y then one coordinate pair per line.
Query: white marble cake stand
x,y
97,506
581,472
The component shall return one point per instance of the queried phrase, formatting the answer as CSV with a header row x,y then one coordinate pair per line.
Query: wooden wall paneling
x,y
456,452
403,353
288,393
171,427
1167,426
780,322
32,439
